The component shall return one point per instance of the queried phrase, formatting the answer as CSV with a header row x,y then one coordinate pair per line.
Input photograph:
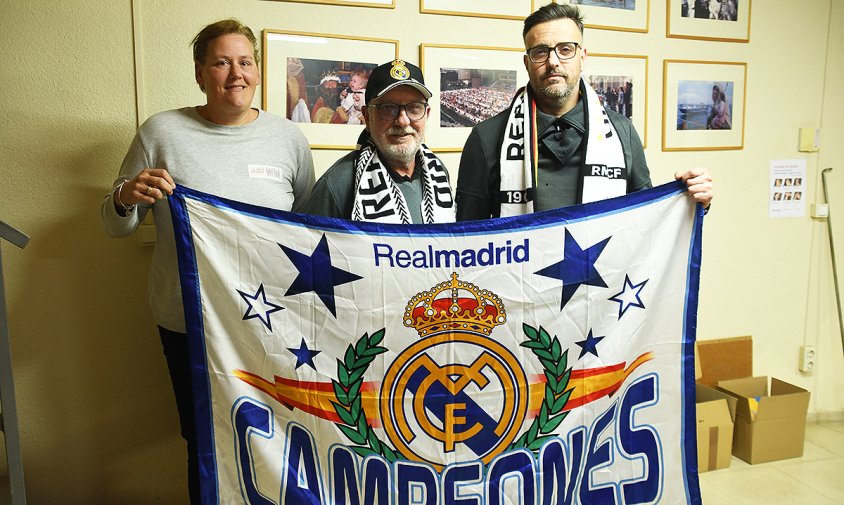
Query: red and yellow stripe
x,y
317,398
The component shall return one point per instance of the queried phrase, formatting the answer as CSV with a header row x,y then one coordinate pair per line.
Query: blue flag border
x,y
189,279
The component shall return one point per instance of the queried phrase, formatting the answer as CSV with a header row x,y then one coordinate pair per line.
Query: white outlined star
x,y
627,299
259,308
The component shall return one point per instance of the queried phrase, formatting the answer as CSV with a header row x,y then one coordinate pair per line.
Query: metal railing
x,y
9,416
832,253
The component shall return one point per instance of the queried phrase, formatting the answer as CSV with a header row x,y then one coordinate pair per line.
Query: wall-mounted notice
x,y
787,193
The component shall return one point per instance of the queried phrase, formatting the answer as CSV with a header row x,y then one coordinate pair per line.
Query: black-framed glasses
x,y
390,111
564,50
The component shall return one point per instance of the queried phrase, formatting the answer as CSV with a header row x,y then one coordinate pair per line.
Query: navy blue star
x,y
576,268
589,345
259,308
629,299
317,274
304,356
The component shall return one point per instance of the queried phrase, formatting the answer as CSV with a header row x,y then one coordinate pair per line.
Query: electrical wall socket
x,y
820,210
808,357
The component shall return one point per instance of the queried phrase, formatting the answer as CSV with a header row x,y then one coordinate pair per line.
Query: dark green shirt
x,y
333,195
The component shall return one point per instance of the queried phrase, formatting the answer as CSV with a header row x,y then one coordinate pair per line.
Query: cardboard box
x,y
769,419
724,359
716,413
770,422
698,369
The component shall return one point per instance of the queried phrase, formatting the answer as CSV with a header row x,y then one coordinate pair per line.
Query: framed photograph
x,y
501,9
621,15
621,82
724,20
318,81
469,84
386,4
704,105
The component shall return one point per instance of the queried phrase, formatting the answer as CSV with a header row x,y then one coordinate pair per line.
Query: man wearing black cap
x,y
392,177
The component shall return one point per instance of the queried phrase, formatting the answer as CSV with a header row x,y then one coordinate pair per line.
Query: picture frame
x,y
632,18
692,118
683,21
499,9
475,67
607,72
384,4
300,70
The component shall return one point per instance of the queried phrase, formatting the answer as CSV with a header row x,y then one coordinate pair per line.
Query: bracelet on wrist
x,y
126,208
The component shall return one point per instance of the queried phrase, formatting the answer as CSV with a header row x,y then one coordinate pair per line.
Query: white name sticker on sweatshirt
x,y
264,172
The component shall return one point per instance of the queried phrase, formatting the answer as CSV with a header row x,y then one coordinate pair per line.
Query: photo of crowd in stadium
x,y
469,96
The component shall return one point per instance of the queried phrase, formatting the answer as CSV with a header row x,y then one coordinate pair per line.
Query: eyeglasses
x,y
390,111
564,50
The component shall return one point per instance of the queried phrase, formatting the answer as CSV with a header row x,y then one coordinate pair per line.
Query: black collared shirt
x,y
560,158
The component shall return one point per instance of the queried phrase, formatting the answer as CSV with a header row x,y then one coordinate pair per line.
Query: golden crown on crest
x,y
454,306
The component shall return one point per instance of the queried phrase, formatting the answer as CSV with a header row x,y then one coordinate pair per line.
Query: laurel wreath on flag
x,y
554,362
348,406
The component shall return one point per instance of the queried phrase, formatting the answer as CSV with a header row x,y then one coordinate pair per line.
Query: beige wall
x,y
98,423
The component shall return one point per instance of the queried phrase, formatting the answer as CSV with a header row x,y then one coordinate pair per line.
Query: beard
x,y
402,153
331,97
556,92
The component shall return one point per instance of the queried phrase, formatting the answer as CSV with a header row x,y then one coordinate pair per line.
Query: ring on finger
x,y
149,190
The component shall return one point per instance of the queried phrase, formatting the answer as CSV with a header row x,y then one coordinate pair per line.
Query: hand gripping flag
x,y
539,359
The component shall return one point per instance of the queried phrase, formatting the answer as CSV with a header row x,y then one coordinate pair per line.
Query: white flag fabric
x,y
538,359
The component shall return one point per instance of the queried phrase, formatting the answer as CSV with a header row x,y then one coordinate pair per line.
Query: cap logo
x,y
399,72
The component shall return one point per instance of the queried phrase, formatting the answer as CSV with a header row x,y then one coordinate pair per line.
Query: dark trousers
x,y
176,350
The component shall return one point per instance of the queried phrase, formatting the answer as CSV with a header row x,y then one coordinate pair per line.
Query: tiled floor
x,y
815,479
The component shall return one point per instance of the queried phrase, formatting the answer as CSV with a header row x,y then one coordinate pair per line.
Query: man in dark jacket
x,y
554,146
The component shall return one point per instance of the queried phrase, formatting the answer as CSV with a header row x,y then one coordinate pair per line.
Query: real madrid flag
x,y
541,359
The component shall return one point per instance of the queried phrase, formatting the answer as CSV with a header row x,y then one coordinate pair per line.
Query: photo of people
x,y
778,183
788,195
788,182
798,181
704,105
469,96
612,4
615,92
325,91
722,10
777,196
798,195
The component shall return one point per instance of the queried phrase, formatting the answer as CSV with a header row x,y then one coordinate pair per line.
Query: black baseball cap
x,y
396,73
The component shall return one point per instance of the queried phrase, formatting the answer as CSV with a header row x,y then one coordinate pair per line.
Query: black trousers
x,y
176,351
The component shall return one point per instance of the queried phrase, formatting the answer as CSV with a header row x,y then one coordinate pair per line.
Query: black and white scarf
x,y
378,198
603,173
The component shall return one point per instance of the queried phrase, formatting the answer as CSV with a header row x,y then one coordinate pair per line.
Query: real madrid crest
x,y
399,72
457,394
